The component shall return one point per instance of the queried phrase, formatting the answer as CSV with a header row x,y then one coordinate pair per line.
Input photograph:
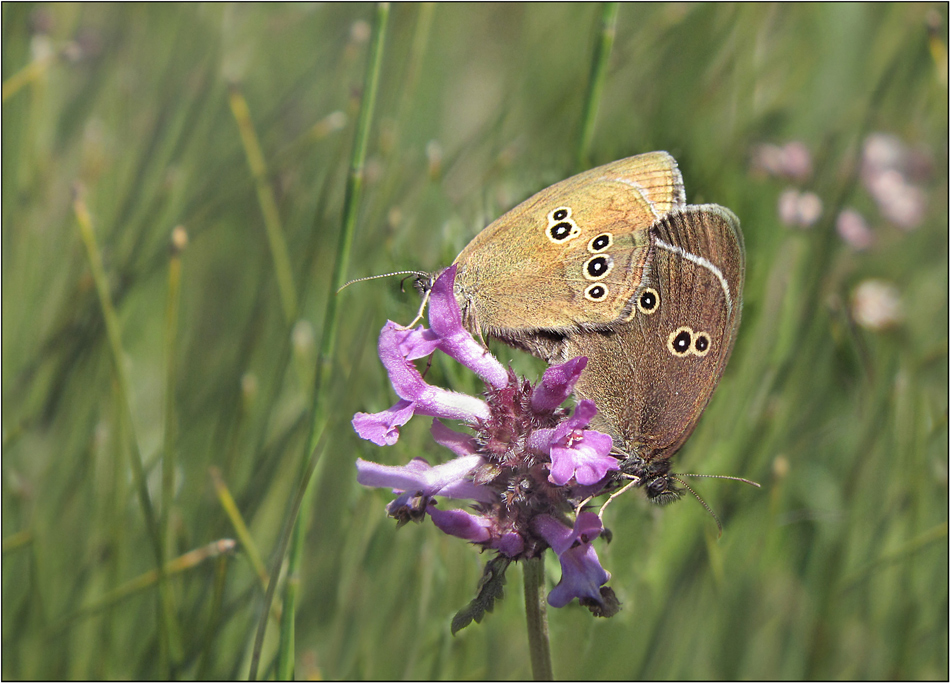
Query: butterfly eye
x,y
680,341
657,486
601,242
648,301
701,344
595,292
598,267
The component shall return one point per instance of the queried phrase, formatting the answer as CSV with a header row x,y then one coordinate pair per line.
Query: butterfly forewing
x,y
570,257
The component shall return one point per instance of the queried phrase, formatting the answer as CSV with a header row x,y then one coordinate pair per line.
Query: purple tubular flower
x,y
557,383
581,573
382,428
461,523
458,443
418,398
450,479
446,321
476,529
576,452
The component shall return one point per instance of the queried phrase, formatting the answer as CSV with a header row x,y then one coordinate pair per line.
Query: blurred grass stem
x,y
171,647
167,622
29,73
240,527
303,502
595,84
189,560
268,204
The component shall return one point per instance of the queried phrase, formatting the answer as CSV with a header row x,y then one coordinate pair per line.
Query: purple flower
x,y
477,529
576,452
799,209
527,462
791,161
557,384
397,346
421,478
581,573
889,169
854,230
454,340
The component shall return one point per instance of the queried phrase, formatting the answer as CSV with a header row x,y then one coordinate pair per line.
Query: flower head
x,y
889,171
525,467
799,209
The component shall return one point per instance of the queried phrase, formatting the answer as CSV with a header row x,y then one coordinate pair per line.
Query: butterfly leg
x,y
633,482
422,310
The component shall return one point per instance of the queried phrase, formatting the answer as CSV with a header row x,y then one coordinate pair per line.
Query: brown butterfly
x,y
652,376
613,265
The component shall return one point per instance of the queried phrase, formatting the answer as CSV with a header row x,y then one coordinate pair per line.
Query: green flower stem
x,y
536,613
595,84
303,501
351,203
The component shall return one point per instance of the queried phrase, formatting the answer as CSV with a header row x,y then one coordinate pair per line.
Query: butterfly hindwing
x,y
652,376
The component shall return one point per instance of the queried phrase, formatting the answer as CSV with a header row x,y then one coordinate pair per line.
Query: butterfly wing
x,y
570,257
651,377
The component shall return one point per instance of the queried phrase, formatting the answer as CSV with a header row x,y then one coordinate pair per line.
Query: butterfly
x,y
612,264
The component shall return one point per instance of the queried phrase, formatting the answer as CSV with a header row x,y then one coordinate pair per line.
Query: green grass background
x,y
836,568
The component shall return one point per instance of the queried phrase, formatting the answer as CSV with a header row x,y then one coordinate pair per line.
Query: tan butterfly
x,y
570,257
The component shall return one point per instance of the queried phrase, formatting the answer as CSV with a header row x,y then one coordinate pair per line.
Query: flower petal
x,y
590,458
416,343
581,573
510,544
409,385
446,321
461,523
403,375
459,443
382,428
575,452
451,479
557,383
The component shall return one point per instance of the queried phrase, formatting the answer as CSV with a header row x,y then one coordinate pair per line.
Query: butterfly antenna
x,y
723,476
703,502
376,277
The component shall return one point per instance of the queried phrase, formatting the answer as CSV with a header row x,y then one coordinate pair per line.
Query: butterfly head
x,y
423,284
654,477
661,489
